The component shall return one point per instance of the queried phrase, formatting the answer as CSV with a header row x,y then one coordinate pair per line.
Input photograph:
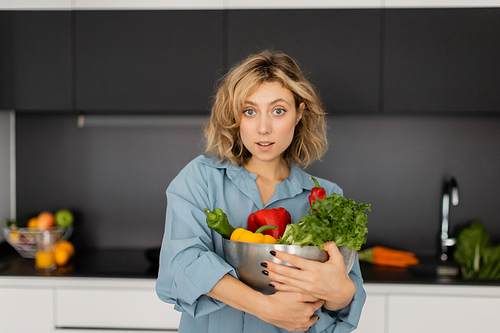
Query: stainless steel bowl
x,y
246,259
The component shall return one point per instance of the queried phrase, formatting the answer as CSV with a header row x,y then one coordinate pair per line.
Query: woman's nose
x,y
265,125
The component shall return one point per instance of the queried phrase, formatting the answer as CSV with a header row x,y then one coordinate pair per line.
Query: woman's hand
x,y
291,310
328,281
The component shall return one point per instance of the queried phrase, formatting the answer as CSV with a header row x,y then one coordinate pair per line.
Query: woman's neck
x,y
277,170
268,174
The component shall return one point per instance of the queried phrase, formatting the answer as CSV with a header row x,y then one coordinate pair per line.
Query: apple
x,y
63,218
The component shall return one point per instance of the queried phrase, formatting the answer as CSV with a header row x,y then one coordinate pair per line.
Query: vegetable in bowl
x,y
333,218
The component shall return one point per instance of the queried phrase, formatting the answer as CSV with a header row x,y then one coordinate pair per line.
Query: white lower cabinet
x,y
83,305
113,309
403,308
26,310
416,314
100,305
373,315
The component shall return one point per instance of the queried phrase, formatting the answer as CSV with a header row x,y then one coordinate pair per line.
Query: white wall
x,y
6,119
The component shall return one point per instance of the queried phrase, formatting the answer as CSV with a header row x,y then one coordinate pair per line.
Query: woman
x,y
266,120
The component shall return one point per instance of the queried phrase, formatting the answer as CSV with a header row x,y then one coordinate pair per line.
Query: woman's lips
x,y
264,145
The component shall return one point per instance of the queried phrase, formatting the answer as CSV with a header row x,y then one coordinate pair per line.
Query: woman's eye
x,y
249,112
279,112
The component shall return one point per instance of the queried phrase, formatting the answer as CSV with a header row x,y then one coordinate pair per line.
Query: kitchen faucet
x,y
450,192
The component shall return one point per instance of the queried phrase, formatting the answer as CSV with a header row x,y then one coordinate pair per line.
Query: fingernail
x,y
273,253
265,272
263,264
271,285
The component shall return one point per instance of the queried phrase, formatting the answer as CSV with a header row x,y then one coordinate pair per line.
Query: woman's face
x,y
268,121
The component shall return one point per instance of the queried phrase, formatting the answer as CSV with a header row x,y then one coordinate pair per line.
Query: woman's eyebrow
x,y
270,103
278,101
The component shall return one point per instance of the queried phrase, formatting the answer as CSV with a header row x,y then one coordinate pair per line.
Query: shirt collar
x,y
232,171
296,183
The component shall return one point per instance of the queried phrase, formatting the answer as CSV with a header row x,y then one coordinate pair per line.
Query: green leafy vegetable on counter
x,y
334,218
476,255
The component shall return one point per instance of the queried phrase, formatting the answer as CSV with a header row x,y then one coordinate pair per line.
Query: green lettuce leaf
x,y
335,218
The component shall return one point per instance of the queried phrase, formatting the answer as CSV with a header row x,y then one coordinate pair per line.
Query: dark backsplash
x,y
115,178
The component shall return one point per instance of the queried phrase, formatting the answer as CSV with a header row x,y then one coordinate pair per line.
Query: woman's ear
x,y
300,112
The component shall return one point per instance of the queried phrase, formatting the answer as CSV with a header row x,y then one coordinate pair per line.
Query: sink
x,y
432,267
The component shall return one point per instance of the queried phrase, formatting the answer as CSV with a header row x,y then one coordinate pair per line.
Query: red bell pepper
x,y
316,192
278,217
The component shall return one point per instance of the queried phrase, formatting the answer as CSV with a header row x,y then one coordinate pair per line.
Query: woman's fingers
x,y
309,275
287,278
335,257
292,311
287,287
291,259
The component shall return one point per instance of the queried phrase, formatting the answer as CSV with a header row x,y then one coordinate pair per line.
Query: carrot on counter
x,y
383,256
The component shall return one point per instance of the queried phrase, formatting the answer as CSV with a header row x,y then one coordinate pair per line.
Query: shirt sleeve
x,y
346,319
189,266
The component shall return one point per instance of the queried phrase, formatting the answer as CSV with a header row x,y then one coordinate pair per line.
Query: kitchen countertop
x,y
131,263
108,263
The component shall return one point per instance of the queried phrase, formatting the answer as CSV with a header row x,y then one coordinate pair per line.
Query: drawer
x,y
435,314
113,309
26,310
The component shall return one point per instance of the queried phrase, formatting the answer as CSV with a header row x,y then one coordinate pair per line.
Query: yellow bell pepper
x,y
244,235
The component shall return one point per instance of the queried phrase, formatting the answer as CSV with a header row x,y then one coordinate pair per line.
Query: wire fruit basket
x,y
24,239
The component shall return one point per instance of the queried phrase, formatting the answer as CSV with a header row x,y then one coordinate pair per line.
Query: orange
x,y
45,220
33,222
61,257
63,251
65,246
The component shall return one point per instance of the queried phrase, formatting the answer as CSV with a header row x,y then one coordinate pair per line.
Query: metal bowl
x,y
246,259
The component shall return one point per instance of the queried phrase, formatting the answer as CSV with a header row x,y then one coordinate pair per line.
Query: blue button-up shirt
x,y
192,258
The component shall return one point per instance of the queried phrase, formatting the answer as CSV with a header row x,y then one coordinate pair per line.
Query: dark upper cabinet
x,y
35,60
338,49
362,60
442,60
147,60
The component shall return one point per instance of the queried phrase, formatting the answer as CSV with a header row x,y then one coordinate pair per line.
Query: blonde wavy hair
x,y
222,132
